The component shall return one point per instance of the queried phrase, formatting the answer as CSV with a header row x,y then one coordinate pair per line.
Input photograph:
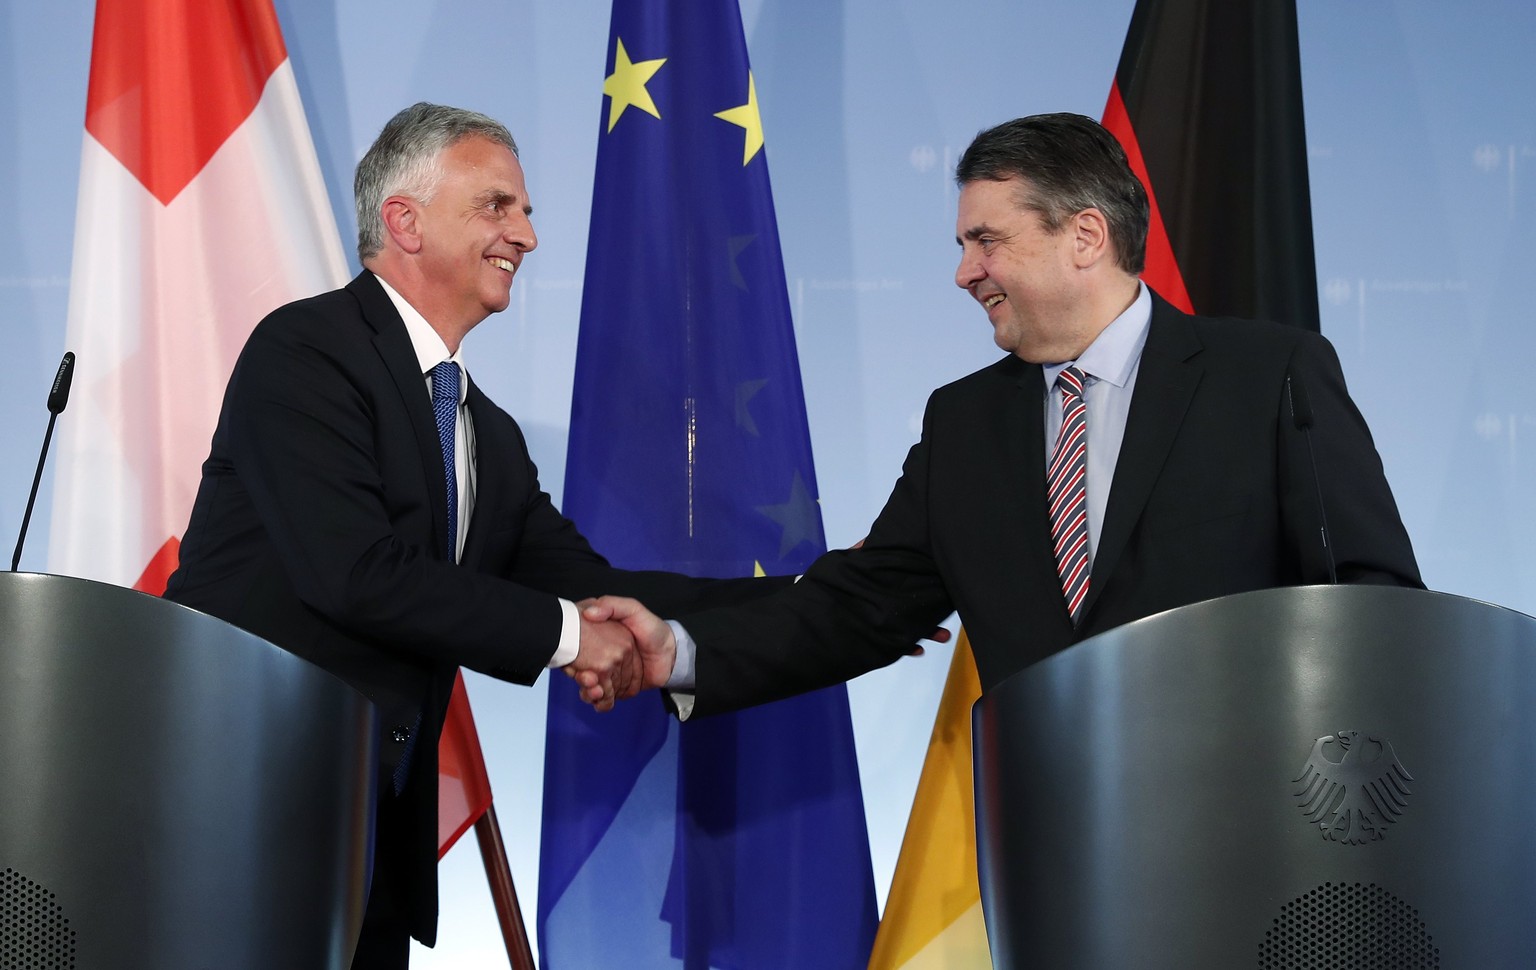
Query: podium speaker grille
x,y
1348,927
34,933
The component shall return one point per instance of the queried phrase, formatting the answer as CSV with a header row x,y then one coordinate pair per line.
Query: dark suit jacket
x,y
1213,494
319,525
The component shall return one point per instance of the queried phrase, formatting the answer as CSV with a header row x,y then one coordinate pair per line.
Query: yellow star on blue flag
x,y
747,117
626,85
798,515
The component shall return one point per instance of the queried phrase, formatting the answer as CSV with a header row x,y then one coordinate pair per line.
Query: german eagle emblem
x,y
1353,787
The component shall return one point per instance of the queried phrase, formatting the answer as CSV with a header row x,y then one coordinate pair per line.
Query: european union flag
x,y
735,842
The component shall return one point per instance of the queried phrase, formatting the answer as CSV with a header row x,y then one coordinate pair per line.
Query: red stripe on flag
x,y
1162,271
172,79
463,787
154,577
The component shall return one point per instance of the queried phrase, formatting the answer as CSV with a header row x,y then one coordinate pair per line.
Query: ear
x,y
401,222
1090,238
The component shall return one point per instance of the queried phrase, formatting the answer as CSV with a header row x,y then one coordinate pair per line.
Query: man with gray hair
x,y
365,506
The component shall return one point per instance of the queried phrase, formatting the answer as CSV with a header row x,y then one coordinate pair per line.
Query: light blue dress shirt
x,y
1110,364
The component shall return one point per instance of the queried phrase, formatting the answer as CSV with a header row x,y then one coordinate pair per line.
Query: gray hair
x,y
1068,163
406,159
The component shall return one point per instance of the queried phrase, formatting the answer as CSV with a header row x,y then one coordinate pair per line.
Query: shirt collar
x,y
1114,352
429,347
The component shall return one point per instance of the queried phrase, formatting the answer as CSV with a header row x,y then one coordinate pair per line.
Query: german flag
x,y
1207,102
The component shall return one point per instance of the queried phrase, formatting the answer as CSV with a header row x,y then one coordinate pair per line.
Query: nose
x,y
520,233
969,272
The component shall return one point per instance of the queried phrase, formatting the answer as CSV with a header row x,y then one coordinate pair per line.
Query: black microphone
x,y
1301,413
57,398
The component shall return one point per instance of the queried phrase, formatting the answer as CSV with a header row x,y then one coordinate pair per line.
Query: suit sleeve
x,y
1350,490
855,610
304,430
307,426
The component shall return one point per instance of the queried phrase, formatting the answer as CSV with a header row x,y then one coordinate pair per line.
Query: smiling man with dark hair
x,y
1125,458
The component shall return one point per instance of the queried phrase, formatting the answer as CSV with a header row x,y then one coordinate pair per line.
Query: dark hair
x,y
1068,163
406,160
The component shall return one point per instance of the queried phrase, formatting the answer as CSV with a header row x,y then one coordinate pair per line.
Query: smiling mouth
x,y
993,300
502,263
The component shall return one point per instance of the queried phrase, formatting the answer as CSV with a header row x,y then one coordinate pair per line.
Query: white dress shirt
x,y
431,351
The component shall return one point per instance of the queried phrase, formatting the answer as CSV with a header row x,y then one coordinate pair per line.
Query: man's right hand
x,y
653,636
607,666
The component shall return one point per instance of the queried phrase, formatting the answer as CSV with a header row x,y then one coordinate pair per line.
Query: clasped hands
x,y
624,649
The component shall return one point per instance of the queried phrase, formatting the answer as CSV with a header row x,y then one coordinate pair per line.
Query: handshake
x,y
625,649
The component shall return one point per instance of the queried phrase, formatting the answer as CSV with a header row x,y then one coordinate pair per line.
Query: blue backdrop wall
x,y
1421,132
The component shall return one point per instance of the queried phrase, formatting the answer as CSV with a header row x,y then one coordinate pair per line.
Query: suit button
x,y
400,734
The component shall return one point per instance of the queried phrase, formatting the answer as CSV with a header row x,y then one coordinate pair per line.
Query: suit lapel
x,y
394,348
1006,499
1025,467
491,476
1165,384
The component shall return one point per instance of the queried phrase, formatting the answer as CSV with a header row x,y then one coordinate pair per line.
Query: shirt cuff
x,y
570,635
682,703
679,687
682,663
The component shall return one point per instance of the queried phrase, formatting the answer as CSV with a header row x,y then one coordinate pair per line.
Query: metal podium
x,y
174,792
1313,777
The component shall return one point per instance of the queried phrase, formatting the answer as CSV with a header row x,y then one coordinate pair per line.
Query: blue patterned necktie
x,y
445,407
1067,492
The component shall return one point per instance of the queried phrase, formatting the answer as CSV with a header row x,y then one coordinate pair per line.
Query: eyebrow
x,y
504,198
975,233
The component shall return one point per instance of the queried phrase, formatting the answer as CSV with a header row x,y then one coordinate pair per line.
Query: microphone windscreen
x,y
59,396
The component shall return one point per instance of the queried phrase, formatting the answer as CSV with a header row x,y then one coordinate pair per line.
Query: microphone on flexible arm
x,y
1301,413
57,398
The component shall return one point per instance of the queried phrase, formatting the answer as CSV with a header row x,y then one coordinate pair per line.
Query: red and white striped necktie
x,y
1067,491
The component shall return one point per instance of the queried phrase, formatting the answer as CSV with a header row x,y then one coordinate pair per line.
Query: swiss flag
x,y
463,787
201,210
